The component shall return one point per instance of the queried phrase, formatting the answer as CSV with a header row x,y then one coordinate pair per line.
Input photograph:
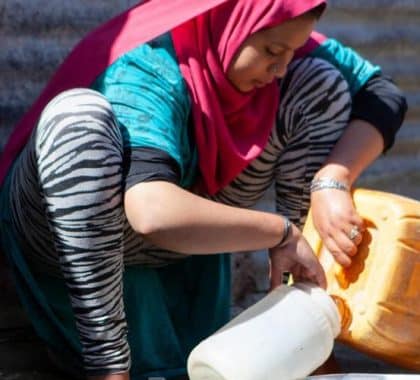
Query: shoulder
x,y
152,66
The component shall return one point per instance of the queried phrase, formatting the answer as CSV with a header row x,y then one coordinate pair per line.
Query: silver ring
x,y
353,233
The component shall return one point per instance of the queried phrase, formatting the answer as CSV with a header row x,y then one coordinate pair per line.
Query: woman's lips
x,y
260,84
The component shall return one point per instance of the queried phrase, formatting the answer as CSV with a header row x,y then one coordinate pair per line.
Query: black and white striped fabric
x,y
67,194
69,208
314,110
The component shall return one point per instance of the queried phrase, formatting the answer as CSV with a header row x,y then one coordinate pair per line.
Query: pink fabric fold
x,y
231,128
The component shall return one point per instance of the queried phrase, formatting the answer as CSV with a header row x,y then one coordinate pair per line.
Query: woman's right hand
x,y
297,257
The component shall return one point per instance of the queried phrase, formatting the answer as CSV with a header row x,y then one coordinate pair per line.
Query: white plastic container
x,y
286,335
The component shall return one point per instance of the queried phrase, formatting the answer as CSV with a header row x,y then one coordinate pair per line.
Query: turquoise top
x,y
152,105
150,99
352,66
151,102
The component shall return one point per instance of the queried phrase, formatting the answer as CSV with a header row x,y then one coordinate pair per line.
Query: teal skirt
x,y
169,310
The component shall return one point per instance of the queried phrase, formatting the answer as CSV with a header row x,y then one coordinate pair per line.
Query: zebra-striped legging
x,y
67,194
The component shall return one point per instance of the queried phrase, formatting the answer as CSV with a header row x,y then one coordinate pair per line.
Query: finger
x,y
314,270
300,273
361,226
316,275
358,239
276,276
354,234
345,243
306,275
357,220
275,282
339,256
320,276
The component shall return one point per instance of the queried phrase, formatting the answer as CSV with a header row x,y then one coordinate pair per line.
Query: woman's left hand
x,y
337,222
333,210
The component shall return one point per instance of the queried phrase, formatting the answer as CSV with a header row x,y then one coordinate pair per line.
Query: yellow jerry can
x,y
379,294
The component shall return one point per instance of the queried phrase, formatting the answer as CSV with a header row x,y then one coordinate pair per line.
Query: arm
x,y
178,220
345,163
377,113
348,159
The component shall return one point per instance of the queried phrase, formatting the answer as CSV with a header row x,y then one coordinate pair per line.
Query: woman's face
x,y
265,55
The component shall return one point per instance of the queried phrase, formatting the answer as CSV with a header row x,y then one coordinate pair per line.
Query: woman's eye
x,y
272,53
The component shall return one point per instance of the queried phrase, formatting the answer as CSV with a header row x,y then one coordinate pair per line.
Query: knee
x,y
315,87
78,133
79,111
78,105
76,100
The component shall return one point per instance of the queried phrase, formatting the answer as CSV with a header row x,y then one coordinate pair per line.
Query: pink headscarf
x,y
231,128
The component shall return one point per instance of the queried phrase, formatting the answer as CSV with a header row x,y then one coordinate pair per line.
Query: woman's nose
x,y
278,70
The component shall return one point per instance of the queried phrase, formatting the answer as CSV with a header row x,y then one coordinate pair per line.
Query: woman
x,y
156,139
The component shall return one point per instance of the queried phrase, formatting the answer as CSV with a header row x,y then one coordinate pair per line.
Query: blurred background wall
x,y
35,35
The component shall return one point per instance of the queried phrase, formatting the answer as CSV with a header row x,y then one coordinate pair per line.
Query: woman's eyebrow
x,y
283,45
